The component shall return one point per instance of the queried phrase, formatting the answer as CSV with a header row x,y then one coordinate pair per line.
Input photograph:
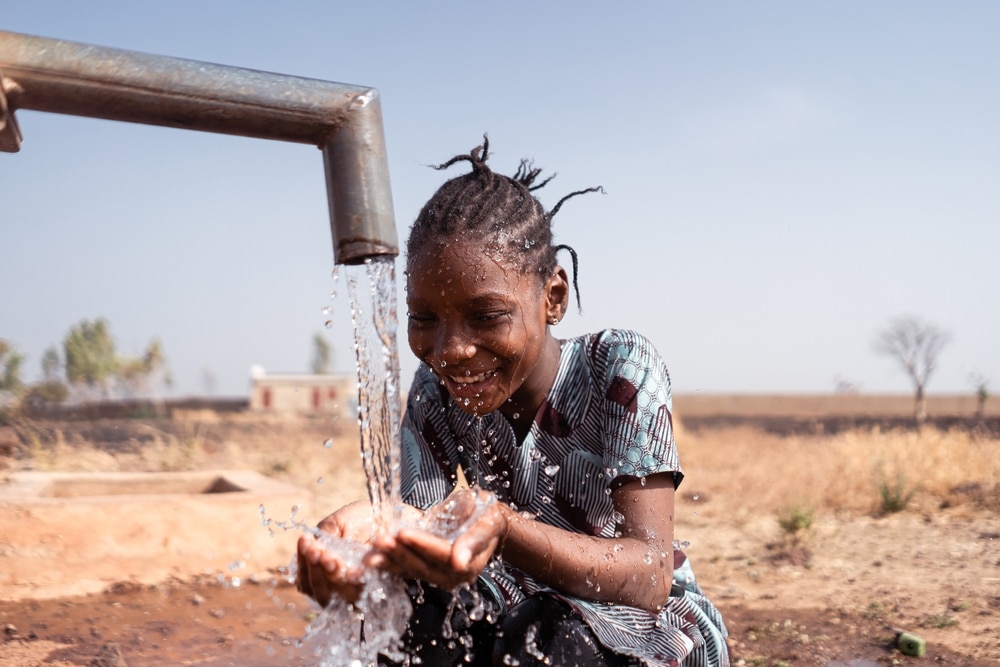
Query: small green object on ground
x,y
910,644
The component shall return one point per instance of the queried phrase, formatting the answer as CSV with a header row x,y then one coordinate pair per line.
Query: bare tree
x,y
916,345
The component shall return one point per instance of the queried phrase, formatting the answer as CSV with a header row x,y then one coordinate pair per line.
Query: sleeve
x,y
427,472
638,426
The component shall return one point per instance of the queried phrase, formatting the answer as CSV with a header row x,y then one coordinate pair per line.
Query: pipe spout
x,y
343,120
357,184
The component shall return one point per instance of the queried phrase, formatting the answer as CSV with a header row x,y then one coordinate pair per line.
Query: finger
x,y
412,564
302,583
432,547
320,587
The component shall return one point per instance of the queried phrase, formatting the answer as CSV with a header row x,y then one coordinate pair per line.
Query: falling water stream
x,y
335,637
373,316
355,634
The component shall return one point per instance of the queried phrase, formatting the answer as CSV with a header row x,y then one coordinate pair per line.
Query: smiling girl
x,y
575,561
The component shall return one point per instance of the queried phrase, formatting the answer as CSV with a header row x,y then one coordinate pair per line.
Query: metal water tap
x,y
343,120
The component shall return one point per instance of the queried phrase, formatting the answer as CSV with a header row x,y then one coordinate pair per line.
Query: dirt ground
x,y
836,599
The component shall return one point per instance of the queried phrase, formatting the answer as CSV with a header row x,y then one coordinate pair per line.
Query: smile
x,y
471,379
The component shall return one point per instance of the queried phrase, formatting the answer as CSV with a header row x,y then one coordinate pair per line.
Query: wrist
x,y
507,518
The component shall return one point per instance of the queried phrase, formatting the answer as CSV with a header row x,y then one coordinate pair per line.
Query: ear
x,y
556,296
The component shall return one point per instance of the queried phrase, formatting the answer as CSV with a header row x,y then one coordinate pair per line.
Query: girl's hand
x,y
419,554
323,572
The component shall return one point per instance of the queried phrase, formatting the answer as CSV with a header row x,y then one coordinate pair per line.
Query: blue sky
x,y
782,179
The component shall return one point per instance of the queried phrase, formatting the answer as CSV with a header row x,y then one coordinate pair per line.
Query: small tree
x,y
916,345
52,388
322,357
90,355
982,386
138,375
51,365
208,381
10,368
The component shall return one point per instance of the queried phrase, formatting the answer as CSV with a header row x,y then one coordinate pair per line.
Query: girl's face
x,y
482,326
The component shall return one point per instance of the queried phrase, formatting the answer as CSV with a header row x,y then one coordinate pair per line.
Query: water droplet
x,y
328,324
551,470
328,443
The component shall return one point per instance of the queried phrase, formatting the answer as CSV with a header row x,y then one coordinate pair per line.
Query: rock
x,y
110,655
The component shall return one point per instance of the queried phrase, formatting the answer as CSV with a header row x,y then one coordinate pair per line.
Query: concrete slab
x,y
73,533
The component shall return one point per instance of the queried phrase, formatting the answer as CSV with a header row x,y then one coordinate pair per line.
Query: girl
x,y
574,562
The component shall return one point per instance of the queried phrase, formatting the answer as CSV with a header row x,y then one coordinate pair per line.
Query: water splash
x,y
356,633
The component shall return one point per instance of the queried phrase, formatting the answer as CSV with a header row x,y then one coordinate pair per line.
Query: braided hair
x,y
498,210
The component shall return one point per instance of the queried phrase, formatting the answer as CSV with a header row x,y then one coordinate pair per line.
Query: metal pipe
x,y
343,120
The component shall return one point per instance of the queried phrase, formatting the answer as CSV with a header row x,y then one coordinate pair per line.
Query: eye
x,y
419,318
489,316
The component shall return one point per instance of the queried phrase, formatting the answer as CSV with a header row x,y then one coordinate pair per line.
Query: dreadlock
x,y
499,210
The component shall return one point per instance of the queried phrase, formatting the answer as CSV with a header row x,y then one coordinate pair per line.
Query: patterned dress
x,y
606,421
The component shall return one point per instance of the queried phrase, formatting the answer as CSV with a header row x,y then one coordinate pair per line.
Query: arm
x,y
635,569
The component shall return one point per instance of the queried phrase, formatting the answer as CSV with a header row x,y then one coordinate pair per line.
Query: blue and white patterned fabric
x,y
606,421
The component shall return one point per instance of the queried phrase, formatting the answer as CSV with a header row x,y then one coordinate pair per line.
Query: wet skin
x,y
482,326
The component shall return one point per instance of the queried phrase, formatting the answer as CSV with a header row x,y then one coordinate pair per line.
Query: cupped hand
x,y
323,572
426,552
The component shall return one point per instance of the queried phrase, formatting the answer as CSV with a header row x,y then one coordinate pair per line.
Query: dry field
x,y
815,542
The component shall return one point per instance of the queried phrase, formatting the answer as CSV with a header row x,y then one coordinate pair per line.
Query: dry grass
x,y
824,405
758,473
318,455
762,473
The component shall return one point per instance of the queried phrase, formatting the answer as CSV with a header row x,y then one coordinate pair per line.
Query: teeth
x,y
471,379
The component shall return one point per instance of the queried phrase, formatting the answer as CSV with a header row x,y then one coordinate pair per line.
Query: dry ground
x,y
829,592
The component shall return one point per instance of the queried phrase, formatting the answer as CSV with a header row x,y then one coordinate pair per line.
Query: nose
x,y
453,345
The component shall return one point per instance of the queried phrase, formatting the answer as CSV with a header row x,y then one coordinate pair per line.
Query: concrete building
x,y
303,393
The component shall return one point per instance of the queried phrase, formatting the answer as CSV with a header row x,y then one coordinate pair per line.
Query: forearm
x,y
626,570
